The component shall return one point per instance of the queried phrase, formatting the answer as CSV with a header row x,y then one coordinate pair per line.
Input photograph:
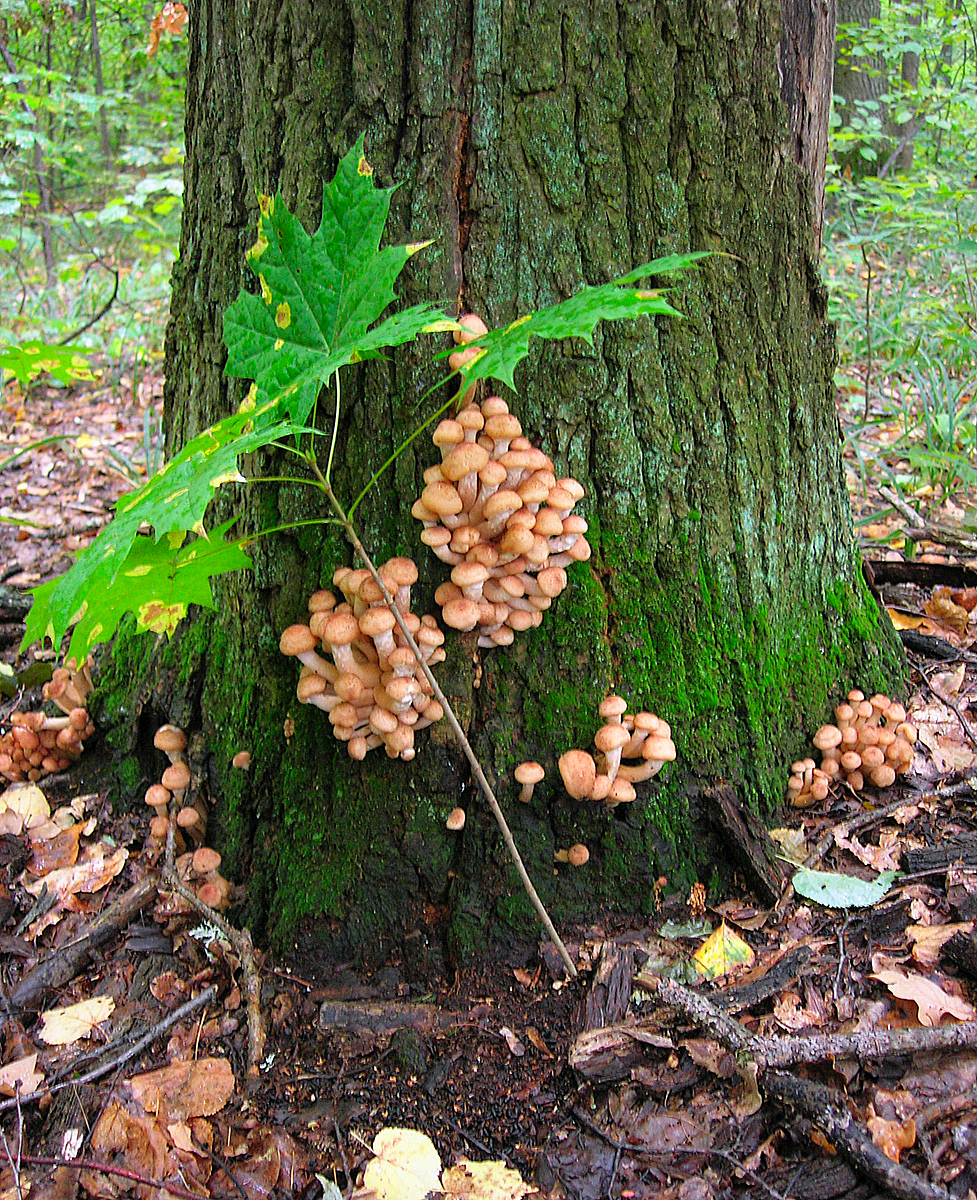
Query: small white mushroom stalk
x,y
495,511
370,685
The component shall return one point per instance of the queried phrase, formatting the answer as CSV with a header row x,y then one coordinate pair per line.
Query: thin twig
x,y
90,1164
98,316
127,1055
452,720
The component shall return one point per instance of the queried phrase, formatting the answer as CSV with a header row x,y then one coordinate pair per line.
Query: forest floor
x,y
611,1085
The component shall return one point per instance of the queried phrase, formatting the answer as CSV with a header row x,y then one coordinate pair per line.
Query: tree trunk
x,y
545,145
860,82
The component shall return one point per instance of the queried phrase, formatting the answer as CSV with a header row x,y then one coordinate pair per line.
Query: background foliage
x,y
91,167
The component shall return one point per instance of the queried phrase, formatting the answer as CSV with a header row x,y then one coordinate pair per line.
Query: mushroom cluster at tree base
x,y
371,685
871,743
606,777
37,745
494,510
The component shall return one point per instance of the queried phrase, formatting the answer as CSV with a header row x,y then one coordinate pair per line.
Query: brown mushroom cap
x,y
456,820
578,855
528,774
296,639
827,737
242,760
205,860
171,739
176,777
578,772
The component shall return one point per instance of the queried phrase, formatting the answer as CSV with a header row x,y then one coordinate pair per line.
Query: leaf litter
x,y
633,1097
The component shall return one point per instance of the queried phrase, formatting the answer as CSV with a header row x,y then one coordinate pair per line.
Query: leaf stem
x,y
453,722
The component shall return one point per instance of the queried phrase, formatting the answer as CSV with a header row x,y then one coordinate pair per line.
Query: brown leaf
x,y
187,1089
892,1137
930,999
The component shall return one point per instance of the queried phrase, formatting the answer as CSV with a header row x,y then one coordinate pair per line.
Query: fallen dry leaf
x,y
942,607
91,874
930,999
484,1181
892,1137
20,1076
928,940
186,1089
63,1026
27,799
406,1166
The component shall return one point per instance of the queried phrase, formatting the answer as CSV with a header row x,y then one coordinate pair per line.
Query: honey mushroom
x,y
371,686
606,778
496,513
871,742
38,745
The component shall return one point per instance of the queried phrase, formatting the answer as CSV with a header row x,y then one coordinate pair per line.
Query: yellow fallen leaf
x,y
483,1181
27,799
903,620
721,951
63,1026
406,1166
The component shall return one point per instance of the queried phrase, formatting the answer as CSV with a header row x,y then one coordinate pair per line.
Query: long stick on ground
x,y
453,722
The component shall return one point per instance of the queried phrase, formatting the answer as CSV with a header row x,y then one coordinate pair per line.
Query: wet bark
x,y
545,145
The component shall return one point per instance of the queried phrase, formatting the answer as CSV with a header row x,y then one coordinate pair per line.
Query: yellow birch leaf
x,y
64,1026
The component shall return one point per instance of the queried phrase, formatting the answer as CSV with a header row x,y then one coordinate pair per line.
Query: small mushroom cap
x,y
611,737
377,620
883,776
171,739
472,327
204,861
612,707
297,639
242,760
322,601
578,855
176,777
341,629
456,820
529,772
578,771
827,737
157,796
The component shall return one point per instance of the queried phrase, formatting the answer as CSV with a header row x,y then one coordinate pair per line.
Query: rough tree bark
x,y
545,145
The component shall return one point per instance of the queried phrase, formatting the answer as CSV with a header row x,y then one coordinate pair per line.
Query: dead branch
x,y
66,962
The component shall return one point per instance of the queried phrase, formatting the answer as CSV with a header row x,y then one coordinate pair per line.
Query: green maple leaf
x,y
504,349
172,502
320,295
157,581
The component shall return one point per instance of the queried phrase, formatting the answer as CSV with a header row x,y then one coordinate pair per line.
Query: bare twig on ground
x,y
127,1055
90,1164
824,1107
65,963
239,939
863,821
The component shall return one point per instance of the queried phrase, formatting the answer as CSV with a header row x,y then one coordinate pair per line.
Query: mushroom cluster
x,y
173,788
623,735
371,686
37,745
871,742
494,510
199,870
196,863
